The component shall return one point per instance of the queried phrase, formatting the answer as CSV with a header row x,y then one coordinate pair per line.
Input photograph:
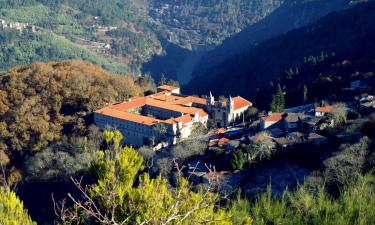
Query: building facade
x,y
166,116
227,112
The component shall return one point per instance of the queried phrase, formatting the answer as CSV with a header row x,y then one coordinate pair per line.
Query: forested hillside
x,y
130,32
27,47
207,22
302,56
290,15
110,29
45,103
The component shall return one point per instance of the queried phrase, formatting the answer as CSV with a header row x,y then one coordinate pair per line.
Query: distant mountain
x,y
206,22
111,29
290,15
130,32
302,56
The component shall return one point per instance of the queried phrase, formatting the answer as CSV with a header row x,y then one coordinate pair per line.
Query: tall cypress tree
x,y
278,100
305,91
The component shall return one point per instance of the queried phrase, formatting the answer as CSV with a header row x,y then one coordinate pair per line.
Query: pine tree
x,y
305,91
163,80
278,100
12,211
114,199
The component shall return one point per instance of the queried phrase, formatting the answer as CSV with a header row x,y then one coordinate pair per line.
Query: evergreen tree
x,y
238,160
12,211
163,80
305,91
114,199
278,100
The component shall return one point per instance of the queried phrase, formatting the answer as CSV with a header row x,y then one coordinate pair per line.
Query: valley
x,y
218,112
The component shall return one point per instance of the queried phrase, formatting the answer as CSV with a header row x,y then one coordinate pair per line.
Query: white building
x,y
322,111
228,112
166,116
270,120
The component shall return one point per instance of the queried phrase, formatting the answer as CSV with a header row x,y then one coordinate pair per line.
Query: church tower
x,y
230,104
211,100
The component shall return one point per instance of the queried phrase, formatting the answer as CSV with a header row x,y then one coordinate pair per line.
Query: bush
x,y
12,211
114,199
338,114
238,160
61,160
189,148
346,163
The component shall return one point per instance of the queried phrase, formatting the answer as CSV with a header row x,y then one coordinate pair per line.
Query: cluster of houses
x,y
367,103
4,25
295,125
296,120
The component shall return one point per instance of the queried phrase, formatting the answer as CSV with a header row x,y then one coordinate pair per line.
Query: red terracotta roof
x,y
223,141
240,103
167,88
273,117
326,109
160,100
129,116
191,99
220,131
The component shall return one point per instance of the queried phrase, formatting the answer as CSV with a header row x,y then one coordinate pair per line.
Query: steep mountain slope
x,y
290,15
27,47
202,22
111,29
130,32
347,35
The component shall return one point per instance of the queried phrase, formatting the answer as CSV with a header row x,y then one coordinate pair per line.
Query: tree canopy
x,y
126,195
12,211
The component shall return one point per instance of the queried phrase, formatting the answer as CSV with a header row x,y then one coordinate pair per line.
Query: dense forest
x,y
202,22
88,23
27,47
300,57
47,103
290,15
131,32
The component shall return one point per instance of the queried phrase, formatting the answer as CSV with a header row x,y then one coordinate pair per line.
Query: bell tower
x,y
230,104
210,100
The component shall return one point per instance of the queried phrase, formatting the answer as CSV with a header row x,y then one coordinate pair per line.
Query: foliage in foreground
x,y
356,205
12,211
152,201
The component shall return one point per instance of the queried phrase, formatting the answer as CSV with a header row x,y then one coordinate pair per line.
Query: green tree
x,y
12,211
163,80
338,114
278,100
119,201
305,91
259,150
238,160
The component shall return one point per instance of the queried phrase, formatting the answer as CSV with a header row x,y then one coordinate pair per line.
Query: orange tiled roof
x,y
273,117
160,100
191,99
183,119
223,141
220,131
326,109
131,104
167,97
240,103
128,116
167,88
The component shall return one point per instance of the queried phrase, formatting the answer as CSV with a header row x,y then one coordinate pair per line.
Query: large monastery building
x,y
167,115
